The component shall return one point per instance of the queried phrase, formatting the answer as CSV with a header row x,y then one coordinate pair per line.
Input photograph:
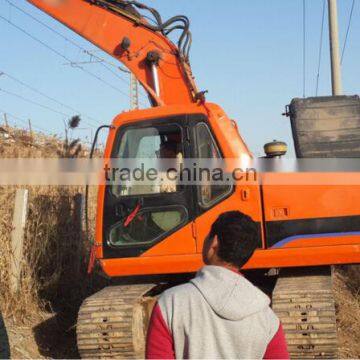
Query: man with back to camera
x,y
218,314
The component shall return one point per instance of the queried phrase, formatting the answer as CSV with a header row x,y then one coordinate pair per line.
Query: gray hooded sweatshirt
x,y
218,315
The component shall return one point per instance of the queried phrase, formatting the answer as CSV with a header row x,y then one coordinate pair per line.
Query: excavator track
x,y
113,322
303,300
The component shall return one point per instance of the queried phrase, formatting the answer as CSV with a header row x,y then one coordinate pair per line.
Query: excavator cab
x,y
150,210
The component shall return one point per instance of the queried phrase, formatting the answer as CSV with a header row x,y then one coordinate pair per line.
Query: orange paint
x,y
177,253
263,259
272,197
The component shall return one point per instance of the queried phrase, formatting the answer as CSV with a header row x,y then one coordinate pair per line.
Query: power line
x,y
22,120
62,55
101,60
347,31
34,102
320,47
13,116
49,97
72,42
304,47
36,126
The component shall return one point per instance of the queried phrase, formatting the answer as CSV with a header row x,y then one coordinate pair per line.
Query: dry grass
x,y
347,297
56,249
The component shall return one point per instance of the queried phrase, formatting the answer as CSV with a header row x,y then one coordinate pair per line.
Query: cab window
x,y
209,193
162,145
148,226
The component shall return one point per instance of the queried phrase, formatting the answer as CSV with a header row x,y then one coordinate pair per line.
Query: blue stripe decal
x,y
312,236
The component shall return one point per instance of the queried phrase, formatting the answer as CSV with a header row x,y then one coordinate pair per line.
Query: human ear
x,y
215,245
211,250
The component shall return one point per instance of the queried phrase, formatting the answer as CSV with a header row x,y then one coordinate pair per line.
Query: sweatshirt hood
x,y
229,294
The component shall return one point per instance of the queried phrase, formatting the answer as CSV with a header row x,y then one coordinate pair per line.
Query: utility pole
x,y
6,121
334,48
30,129
134,92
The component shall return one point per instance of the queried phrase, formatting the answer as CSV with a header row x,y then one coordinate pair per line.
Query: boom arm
x,y
122,33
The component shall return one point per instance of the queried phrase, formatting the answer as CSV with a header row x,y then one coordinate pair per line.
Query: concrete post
x,y
334,48
17,238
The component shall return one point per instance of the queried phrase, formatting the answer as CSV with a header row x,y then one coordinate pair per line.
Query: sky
x,y
247,53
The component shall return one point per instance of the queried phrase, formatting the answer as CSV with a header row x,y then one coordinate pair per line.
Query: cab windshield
x,y
158,146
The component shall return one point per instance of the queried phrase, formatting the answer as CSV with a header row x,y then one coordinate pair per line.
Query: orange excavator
x,y
151,240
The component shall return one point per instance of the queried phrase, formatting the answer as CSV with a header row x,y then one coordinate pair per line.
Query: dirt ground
x,y
347,297
49,336
53,336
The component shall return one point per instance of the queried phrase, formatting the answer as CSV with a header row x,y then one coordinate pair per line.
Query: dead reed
x,y
347,297
56,247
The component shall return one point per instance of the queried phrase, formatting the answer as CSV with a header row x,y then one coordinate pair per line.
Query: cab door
x,y
215,199
155,217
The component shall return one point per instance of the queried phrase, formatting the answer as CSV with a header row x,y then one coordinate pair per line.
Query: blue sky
x,y
248,54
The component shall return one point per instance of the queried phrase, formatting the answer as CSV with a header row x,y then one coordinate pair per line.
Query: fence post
x,y
30,130
79,208
17,238
6,122
79,211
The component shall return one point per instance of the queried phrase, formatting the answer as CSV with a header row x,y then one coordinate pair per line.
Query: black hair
x,y
169,145
238,237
